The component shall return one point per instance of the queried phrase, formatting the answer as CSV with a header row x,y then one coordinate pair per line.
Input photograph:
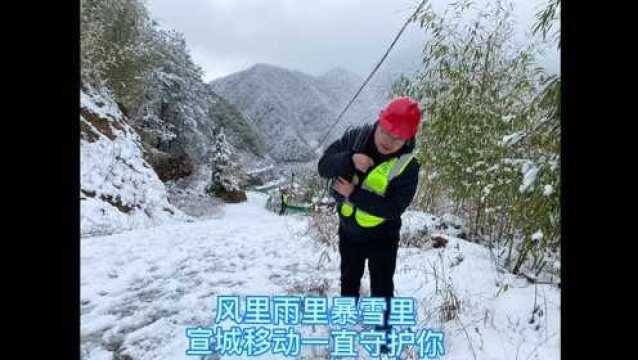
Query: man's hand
x,y
362,162
343,187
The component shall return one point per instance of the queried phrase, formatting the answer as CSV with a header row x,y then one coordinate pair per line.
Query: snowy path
x,y
144,287
141,289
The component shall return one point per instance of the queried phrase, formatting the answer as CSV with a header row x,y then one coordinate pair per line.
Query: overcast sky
x,y
312,36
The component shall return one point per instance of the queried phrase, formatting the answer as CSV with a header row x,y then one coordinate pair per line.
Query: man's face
x,y
386,143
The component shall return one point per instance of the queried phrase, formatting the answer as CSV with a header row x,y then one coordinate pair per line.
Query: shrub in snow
x,y
322,224
450,307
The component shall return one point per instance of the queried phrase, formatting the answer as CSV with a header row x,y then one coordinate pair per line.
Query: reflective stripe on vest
x,y
347,208
377,182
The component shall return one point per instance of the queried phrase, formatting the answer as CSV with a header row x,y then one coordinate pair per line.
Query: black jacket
x,y
337,161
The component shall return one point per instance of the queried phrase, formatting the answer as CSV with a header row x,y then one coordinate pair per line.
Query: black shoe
x,y
384,349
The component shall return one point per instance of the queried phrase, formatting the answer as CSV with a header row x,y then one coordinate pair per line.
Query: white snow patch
x,y
530,171
507,118
415,221
512,139
537,236
100,354
548,190
260,170
451,219
100,106
271,184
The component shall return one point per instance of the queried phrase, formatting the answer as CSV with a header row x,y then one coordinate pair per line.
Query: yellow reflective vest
x,y
377,182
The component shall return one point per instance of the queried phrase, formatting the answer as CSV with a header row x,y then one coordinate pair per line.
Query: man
x,y
376,179
284,201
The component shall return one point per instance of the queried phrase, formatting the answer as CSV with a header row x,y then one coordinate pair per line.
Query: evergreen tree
x,y
225,177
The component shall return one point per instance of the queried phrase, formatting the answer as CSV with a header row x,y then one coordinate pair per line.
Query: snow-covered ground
x,y
141,289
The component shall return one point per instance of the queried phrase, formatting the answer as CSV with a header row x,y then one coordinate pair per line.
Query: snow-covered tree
x,y
226,176
115,46
170,93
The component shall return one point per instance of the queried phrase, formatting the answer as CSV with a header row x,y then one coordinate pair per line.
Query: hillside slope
x,y
119,189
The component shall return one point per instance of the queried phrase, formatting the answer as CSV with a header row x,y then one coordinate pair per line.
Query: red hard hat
x,y
401,117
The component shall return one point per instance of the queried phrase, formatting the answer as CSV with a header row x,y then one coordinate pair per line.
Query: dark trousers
x,y
381,256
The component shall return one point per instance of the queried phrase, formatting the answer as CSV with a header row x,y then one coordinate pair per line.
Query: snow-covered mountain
x,y
292,110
